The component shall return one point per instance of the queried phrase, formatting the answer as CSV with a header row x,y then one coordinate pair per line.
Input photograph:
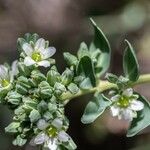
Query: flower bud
x,y
14,98
53,76
59,89
45,90
22,85
23,70
67,76
37,76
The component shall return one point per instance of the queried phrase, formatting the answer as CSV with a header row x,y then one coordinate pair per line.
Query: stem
x,y
103,86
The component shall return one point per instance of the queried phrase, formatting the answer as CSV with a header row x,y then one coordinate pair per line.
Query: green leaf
x,y
95,108
143,119
70,59
130,63
85,68
100,42
86,84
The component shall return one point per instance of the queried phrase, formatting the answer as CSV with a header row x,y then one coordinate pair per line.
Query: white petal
x,y
115,98
48,52
28,61
63,136
42,124
41,138
136,105
14,70
40,43
44,63
114,111
128,92
57,123
4,73
52,144
27,49
127,114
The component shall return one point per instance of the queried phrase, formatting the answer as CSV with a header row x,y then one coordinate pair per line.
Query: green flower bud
x,y
67,76
22,85
29,103
20,118
14,98
59,89
53,76
45,90
73,88
48,116
23,70
52,107
19,141
70,59
42,106
13,127
78,79
34,115
37,76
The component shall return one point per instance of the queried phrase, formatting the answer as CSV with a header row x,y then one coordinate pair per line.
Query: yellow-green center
x,y
52,131
36,56
5,83
123,102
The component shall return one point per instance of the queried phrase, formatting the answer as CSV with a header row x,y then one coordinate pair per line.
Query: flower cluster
x,y
35,97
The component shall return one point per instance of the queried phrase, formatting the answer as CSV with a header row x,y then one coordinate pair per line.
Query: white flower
x,y
39,54
52,136
7,74
126,105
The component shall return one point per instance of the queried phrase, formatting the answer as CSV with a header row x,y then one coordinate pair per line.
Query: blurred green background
x,y
65,24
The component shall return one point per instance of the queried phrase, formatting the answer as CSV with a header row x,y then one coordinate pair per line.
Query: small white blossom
x,y
52,136
126,105
7,74
39,54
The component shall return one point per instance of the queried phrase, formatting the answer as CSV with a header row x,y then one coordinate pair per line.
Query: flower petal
x,y
57,123
115,98
48,52
63,136
27,49
42,124
41,138
127,114
28,61
40,44
14,70
44,63
52,144
136,105
4,73
114,111
128,92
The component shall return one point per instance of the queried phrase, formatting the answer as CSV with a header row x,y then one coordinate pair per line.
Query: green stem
x,y
103,86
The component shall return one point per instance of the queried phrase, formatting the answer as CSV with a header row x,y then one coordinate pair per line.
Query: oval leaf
x,y
100,42
130,63
95,108
85,68
143,119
